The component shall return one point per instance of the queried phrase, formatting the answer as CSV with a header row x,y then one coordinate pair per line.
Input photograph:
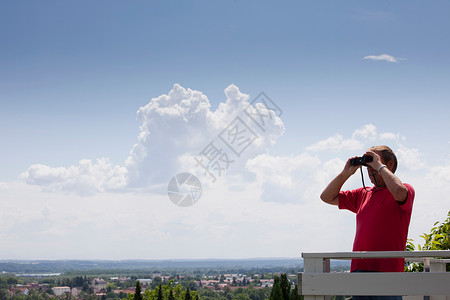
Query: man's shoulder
x,y
364,190
360,190
409,188
356,193
407,185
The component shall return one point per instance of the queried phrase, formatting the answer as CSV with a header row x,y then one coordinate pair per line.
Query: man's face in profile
x,y
376,178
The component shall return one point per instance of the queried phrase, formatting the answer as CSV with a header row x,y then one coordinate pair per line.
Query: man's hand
x,y
376,163
350,169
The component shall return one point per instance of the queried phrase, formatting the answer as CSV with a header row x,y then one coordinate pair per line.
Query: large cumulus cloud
x,y
174,127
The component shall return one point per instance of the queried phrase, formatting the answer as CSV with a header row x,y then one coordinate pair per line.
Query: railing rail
x,y
316,283
379,254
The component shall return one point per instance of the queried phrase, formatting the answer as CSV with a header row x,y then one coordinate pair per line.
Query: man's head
x,y
387,156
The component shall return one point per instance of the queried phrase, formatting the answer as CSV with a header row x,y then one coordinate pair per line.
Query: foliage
x,y
137,291
167,292
187,295
294,294
171,297
249,293
169,288
276,293
437,239
160,293
282,289
109,287
285,286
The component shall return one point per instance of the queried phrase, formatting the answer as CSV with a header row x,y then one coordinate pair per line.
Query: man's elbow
x,y
328,199
400,194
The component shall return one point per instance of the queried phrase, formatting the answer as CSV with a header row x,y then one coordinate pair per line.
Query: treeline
x,y
183,290
196,273
130,267
172,291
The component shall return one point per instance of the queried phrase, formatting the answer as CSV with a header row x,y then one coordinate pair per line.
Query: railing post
x,y
434,265
437,266
316,265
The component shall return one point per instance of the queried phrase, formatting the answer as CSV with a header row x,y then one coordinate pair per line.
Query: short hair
x,y
386,154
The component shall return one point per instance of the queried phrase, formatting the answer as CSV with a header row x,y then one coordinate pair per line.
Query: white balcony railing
x,y
316,283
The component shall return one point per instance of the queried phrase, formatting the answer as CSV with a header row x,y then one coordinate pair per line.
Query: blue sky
x,y
74,74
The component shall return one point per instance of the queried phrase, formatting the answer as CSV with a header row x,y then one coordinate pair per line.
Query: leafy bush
x,y
437,239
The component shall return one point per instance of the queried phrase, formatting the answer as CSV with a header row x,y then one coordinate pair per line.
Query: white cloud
x,y
280,170
410,158
278,197
439,176
336,143
180,125
389,136
382,57
84,178
329,170
174,128
367,132
218,225
362,135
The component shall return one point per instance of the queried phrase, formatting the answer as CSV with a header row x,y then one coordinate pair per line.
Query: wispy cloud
x,y
439,176
381,57
389,136
366,132
85,178
337,142
411,158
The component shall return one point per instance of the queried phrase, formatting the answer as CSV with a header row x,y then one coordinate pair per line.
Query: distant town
x,y
252,279
101,287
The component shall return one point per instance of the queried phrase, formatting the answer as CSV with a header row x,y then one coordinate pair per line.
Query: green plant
x,y
437,239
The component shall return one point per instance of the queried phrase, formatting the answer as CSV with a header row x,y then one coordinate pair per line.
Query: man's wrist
x,y
381,167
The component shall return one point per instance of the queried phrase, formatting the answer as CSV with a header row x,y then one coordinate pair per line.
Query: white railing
x,y
317,283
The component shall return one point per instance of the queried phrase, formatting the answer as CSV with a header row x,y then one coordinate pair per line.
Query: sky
x,y
105,106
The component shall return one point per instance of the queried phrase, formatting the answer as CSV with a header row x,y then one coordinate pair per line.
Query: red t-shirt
x,y
381,225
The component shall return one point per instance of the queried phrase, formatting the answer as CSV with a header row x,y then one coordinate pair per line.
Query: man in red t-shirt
x,y
382,212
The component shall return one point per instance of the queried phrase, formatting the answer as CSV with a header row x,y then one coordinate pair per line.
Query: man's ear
x,y
390,165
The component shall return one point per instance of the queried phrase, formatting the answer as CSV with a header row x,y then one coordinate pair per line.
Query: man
x,y
382,212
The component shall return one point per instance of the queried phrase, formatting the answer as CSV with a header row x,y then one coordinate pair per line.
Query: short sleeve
x,y
349,200
407,206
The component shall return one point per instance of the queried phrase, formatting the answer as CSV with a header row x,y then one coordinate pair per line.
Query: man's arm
x,y
393,183
330,194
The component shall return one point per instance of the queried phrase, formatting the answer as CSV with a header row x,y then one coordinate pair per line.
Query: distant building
x,y
120,279
266,282
145,282
22,289
98,284
60,290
